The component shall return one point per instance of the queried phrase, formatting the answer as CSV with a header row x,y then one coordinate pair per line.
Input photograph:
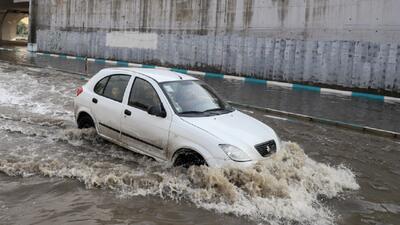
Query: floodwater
x,y
363,112
53,173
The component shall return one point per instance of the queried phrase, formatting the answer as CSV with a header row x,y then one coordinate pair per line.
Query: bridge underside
x,y
11,12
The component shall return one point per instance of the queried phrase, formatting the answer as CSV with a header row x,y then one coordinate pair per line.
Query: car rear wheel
x,y
85,121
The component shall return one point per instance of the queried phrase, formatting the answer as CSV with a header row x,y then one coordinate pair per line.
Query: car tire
x,y
188,158
85,121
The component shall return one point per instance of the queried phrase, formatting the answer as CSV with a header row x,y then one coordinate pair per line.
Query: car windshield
x,y
194,98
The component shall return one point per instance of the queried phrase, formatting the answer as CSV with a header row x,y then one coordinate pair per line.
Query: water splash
x,y
44,94
283,189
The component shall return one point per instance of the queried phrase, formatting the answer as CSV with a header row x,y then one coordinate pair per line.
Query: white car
x,y
171,117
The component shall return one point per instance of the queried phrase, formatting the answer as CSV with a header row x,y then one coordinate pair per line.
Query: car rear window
x,y
112,87
99,88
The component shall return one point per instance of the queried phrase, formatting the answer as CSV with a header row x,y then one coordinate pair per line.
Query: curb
x,y
268,83
6,49
350,126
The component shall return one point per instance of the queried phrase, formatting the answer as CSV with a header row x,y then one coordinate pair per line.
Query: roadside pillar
x,y
32,46
1,24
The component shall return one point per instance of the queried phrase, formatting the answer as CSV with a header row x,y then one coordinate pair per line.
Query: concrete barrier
x,y
267,83
346,43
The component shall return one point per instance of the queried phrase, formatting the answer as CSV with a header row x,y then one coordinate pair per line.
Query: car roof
x,y
159,75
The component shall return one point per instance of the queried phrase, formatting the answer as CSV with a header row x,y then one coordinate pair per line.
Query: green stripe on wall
x,y
214,75
254,81
306,88
368,96
179,70
148,66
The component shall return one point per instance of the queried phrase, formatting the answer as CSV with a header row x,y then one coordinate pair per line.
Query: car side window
x,y
99,88
112,87
143,95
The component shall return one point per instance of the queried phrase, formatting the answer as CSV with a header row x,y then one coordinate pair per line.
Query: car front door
x,y
107,104
141,131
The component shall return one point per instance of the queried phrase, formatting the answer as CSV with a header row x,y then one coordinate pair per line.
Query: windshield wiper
x,y
201,112
212,110
191,112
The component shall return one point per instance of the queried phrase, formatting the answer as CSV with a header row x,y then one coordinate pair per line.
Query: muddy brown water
x,y
53,173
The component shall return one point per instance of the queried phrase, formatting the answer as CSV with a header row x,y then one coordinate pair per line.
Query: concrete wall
x,y
350,43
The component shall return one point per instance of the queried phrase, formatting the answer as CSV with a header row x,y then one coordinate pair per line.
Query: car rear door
x,y
144,132
107,104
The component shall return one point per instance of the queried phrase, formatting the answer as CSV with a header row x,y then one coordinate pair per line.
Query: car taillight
x,y
79,90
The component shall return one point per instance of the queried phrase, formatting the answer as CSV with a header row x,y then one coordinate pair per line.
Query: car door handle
x,y
94,100
127,112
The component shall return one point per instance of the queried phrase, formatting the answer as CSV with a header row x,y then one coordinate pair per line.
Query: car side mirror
x,y
157,110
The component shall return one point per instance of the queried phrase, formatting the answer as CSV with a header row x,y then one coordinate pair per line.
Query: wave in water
x,y
284,189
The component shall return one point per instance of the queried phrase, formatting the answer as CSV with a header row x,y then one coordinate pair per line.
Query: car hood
x,y
235,128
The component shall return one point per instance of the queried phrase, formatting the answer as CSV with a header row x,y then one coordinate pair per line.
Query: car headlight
x,y
234,153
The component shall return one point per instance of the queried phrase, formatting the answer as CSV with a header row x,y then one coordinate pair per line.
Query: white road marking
x,y
276,117
6,49
248,111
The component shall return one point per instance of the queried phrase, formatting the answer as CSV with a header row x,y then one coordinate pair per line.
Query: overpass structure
x,y
338,43
11,12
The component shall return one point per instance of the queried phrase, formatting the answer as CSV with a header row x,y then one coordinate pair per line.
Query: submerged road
x,y
359,111
53,173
